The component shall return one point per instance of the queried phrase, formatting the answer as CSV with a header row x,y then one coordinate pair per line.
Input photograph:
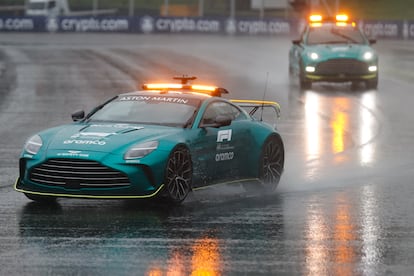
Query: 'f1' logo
x,y
224,135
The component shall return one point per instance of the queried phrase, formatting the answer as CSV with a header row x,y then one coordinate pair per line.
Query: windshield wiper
x,y
348,39
99,107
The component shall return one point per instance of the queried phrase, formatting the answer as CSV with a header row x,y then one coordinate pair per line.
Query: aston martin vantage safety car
x,y
166,140
333,50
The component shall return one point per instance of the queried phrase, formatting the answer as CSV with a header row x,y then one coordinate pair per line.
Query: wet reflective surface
x,y
343,207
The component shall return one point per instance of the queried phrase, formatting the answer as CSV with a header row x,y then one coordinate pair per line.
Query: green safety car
x,y
333,50
165,140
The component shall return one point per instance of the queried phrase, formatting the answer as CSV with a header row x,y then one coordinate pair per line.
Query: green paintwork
x,y
107,142
300,57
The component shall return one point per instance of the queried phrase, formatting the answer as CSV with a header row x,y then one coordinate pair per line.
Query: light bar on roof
x,y
342,17
156,86
186,87
204,87
161,86
315,18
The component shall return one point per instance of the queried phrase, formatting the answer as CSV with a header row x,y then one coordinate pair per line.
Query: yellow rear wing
x,y
252,106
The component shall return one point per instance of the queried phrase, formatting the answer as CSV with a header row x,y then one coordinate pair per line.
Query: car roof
x,y
170,93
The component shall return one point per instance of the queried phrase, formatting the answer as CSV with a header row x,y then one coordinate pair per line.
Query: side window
x,y
236,113
212,111
221,108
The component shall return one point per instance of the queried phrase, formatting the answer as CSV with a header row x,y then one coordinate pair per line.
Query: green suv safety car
x,y
333,50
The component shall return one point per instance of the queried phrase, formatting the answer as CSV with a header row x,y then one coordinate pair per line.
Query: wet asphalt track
x,y
344,206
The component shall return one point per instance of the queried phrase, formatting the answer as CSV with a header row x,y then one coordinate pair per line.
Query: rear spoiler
x,y
256,105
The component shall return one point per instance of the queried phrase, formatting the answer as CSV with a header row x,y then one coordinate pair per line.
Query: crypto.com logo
x,y
147,24
52,24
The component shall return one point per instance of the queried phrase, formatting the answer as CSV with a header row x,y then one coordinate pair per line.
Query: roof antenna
x,y
264,95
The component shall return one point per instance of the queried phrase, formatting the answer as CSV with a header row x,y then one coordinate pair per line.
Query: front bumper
x,y
339,77
341,70
137,179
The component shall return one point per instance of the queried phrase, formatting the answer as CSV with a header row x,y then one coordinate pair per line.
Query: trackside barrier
x,y
201,25
383,29
145,24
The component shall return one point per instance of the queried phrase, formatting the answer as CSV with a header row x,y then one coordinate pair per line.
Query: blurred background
x,y
366,9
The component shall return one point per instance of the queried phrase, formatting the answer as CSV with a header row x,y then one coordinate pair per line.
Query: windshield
x,y
158,110
332,34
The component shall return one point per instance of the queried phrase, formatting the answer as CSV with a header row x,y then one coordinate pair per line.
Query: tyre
x,y
178,175
372,84
271,163
41,198
304,84
355,85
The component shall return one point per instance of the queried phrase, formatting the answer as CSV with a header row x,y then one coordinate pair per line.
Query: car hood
x,y
329,51
104,137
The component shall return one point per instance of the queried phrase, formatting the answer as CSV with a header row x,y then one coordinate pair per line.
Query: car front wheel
x,y
178,175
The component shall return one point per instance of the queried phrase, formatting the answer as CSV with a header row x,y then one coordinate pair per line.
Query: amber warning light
x,y
166,86
338,18
342,18
315,18
186,86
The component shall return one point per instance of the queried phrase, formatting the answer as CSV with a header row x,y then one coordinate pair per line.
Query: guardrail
x,y
203,25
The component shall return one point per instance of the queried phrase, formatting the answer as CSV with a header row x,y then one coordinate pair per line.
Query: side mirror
x,y
372,41
78,115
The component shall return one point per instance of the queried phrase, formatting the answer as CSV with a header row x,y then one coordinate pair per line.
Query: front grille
x,y
342,66
77,174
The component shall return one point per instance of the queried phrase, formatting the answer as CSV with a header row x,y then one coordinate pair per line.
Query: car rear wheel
x,y
178,175
271,163
41,198
372,84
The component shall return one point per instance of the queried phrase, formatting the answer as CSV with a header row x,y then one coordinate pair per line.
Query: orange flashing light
x,y
163,86
196,89
160,86
204,87
315,18
342,18
186,87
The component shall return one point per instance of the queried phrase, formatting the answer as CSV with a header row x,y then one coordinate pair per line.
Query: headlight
x,y
141,150
373,68
33,145
310,69
313,55
368,55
